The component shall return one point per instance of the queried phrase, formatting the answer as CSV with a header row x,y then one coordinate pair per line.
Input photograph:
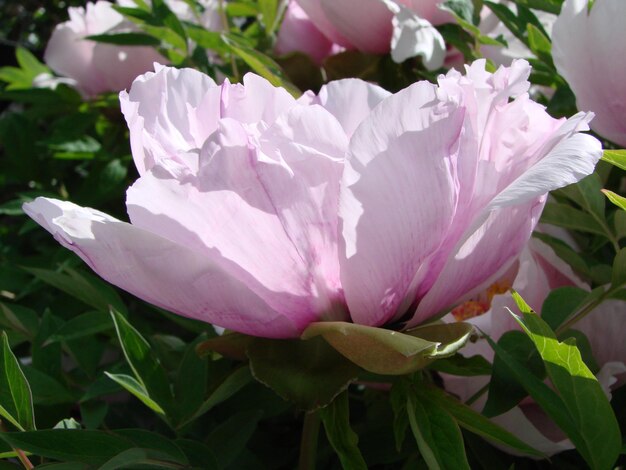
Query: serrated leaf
x,y
336,419
16,403
133,386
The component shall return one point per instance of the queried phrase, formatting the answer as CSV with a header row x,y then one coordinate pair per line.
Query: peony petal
x,y
351,101
298,34
169,112
365,23
413,36
272,214
587,47
570,157
480,259
160,271
397,201
316,13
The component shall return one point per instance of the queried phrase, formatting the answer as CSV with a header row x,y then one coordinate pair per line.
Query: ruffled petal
x,y
398,199
162,272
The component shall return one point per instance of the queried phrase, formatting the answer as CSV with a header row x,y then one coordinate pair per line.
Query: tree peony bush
x,y
586,37
262,213
97,67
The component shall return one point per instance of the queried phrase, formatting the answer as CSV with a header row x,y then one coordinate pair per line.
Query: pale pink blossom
x,y
96,67
588,47
297,33
538,271
262,213
370,25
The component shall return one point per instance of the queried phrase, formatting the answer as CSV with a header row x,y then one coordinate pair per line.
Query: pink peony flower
x,y
403,27
588,45
298,34
537,271
262,213
96,67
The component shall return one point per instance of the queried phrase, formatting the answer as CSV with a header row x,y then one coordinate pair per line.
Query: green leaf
x,y
16,403
146,368
133,386
437,434
615,157
618,278
46,390
154,442
390,352
229,439
85,287
126,39
463,366
551,6
19,319
561,303
260,63
231,385
566,216
539,44
615,198
92,447
336,419
464,9
138,458
168,19
29,63
87,324
565,252
477,423
504,391
593,429
309,373
269,14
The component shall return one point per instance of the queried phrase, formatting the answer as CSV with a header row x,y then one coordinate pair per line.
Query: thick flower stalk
x,y
263,214
588,42
537,271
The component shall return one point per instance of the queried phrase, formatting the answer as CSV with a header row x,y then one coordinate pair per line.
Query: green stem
x,y
308,443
